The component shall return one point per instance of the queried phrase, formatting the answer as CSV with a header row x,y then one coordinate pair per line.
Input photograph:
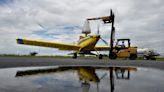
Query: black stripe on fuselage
x,y
83,40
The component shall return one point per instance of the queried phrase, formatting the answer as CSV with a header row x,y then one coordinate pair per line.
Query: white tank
x,y
86,28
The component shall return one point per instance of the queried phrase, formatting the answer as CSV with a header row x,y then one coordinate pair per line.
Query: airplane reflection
x,y
87,75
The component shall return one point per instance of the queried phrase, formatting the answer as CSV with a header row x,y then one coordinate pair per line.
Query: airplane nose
x,y
98,36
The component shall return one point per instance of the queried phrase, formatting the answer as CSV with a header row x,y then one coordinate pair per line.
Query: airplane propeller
x,y
106,43
98,32
102,77
44,28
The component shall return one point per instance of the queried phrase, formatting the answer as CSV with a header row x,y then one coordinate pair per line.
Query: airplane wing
x,y
60,46
102,48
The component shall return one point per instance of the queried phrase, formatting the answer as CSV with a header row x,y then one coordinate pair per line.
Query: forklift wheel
x,y
100,56
112,56
133,57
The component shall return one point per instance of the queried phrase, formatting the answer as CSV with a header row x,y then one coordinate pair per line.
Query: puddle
x,y
81,79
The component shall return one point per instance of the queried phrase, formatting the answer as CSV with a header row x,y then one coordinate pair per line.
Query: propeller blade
x,y
41,25
44,28
103,76
104,41
98,31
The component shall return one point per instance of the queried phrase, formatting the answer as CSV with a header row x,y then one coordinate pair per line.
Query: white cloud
x,y
140,21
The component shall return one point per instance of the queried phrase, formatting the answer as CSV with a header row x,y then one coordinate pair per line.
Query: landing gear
x,y
112,56
74,55
100,56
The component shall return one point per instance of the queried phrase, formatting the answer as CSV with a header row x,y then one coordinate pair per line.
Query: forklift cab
x,y
123,43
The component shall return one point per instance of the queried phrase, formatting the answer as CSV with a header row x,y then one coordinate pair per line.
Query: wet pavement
x,y
81,79
8,62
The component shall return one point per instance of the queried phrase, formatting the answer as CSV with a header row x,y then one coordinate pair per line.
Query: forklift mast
x,y
108,19
112,36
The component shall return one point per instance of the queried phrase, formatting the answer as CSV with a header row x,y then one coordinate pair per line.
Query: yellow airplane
x,y
85,45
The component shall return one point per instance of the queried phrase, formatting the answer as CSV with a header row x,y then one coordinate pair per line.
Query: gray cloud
x,y
142,21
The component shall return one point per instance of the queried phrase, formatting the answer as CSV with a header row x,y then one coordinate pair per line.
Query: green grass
x,y
160,58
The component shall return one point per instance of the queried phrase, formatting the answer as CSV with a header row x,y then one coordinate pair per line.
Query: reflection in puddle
x,y
82,79
86,74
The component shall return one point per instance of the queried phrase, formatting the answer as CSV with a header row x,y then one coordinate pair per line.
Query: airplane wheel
x,y
100,56
74,55
112,56
133,57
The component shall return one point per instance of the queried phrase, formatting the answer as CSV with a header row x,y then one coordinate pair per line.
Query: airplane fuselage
x,y
89,42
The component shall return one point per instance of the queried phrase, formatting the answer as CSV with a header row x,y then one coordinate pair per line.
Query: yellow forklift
x,y
120,51
123,49
117,51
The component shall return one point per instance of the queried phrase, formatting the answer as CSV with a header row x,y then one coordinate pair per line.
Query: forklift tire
x,y
153,58
112,56
100,56
74,56
133,57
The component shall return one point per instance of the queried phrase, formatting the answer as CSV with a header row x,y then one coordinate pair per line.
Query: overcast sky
x,y
140,20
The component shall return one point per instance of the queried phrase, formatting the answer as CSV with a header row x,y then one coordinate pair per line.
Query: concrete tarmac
x,y
11,62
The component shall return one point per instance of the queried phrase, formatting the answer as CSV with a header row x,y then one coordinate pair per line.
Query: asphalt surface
x,y
11,62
